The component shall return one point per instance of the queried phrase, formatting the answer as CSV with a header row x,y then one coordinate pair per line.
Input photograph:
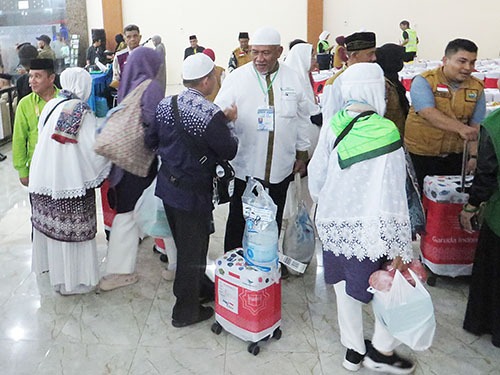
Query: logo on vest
x,y
471,95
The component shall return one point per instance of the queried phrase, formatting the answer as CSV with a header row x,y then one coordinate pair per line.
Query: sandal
x,y
117,280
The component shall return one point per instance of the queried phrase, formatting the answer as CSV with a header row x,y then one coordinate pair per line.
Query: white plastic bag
x,y
406,311
149,214
260,239
299,239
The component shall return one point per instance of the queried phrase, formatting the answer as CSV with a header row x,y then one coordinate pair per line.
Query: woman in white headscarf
x,y
64,172
362,216
302,59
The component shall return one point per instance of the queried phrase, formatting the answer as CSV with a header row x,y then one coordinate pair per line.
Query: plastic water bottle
x,y
260,247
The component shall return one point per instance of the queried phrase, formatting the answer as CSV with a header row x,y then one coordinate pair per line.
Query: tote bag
x,y
121,137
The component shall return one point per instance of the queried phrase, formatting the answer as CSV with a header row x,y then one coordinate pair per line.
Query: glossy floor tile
x,y
128,331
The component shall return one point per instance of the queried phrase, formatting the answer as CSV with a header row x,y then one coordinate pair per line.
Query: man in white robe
x,y
273,117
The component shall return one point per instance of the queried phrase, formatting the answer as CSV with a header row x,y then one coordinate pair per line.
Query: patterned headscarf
x,y
77,86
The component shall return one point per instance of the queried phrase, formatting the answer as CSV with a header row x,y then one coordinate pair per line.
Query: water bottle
x,y
260,247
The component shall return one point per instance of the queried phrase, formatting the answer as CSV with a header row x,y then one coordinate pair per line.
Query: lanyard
x,y
260,83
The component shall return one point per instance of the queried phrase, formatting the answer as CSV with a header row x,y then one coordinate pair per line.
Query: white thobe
x,y
242,88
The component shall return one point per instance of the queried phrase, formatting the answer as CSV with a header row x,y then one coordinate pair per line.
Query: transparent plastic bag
x,y
406,311
149,214
299,240
260,239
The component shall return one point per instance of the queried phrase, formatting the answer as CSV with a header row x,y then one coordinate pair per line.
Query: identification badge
x,y
265,118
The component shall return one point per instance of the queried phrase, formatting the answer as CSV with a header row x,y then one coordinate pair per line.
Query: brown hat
x,y
360,41
45,38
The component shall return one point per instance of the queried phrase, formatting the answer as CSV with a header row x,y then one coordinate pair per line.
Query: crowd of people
x,y
361,145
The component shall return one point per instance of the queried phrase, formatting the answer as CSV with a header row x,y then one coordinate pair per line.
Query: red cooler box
x,y
446,249
247,300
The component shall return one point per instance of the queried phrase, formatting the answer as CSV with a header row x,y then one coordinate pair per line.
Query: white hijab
x,y
77,81
64,171
364,83
324,35
299,59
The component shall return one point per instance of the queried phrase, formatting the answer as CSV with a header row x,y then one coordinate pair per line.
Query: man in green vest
x,y
410,41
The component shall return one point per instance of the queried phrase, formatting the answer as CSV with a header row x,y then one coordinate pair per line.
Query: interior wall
x,y
216,24
436,22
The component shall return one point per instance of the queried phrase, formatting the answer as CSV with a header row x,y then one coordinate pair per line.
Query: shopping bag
x,y
260,238
299,240
406,311
149,214
121,136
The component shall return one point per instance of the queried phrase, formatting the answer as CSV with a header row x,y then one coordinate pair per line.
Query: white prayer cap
x,y
265,36
196,66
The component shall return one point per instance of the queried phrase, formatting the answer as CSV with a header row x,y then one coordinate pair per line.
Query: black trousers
x,y
436,165
235,225
409,56
191,231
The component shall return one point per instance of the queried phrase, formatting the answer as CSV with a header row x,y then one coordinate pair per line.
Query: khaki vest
x,y
330,80
421,138
242,57
218,74
393,109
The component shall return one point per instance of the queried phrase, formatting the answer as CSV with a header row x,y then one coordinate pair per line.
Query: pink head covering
x,y
210,53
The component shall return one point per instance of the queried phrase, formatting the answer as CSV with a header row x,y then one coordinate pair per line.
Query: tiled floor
x,y
128,331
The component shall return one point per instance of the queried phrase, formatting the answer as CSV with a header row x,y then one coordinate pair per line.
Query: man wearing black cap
x,y
25,137
360,47
45,52
240,55
195,48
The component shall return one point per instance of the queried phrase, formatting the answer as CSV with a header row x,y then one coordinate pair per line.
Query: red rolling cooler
x,y
447,250
247,300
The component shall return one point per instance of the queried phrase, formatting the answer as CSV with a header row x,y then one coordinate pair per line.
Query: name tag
x,y
265,118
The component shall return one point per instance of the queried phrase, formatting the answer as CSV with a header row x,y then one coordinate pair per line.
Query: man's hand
x,y
468,133
471,166
24,180
300,166
465,220
231,112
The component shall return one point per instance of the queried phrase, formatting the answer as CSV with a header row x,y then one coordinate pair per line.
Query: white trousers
x,y
350,317
123,244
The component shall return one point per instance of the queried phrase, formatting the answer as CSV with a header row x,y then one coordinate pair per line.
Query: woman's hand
x,y
398,264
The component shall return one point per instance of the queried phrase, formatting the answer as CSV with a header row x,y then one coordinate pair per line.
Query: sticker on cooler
x,y
228,296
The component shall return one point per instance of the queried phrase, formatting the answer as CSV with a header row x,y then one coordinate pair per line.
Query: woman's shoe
x,y
168,275
117,280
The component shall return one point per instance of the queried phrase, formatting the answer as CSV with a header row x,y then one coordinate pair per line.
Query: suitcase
x,y
447,250
247,300
159,247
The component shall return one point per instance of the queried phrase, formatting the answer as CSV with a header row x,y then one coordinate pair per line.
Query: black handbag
x,y
223,173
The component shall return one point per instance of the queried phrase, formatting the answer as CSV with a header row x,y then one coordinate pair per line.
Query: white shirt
x,y
117,73
242,88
